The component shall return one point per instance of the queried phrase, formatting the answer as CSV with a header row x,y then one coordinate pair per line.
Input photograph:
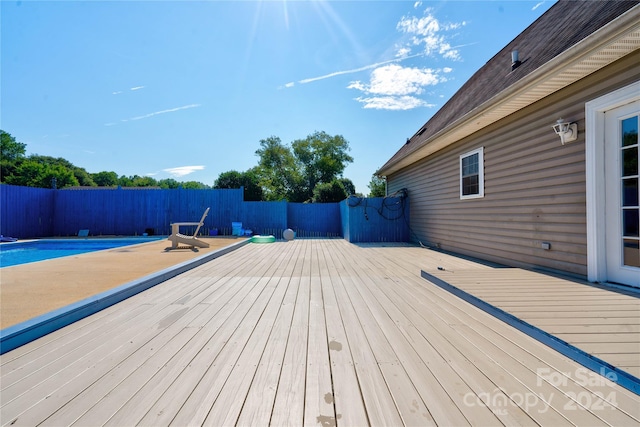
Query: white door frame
x,y
595,179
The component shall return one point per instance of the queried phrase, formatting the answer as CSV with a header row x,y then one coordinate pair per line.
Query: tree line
x,y
307,170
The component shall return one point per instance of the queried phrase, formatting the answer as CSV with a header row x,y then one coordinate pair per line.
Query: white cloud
x,y
394,87
427,33
117,92
171,110
397,80
403,52
137,88
392,102
183,170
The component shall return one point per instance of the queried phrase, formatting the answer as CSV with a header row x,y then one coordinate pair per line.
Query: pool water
x,y
40,250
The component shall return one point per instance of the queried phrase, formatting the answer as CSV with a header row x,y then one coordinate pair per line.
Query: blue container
x,y
236,229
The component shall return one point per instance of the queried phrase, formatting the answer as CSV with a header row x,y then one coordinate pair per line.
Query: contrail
x,y
355,70
165,111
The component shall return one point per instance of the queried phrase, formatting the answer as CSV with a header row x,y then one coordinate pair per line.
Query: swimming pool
x,y
40,250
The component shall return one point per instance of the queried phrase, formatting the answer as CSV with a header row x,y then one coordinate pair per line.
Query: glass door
x,y
623,193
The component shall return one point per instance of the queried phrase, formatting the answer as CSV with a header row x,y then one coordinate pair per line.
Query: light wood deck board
x,y
169,323
222,306
79,332
270,335
191,398
320,332
318,387
347,398
433,378
230,400
260,398
488,368
143,364
288,407
408,400
541,359
568,307
78,370
537,355
381,408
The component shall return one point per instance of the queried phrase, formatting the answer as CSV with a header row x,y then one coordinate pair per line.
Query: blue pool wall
x,y
27,212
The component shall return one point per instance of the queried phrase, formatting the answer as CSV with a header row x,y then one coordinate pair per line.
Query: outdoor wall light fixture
x,y
567,131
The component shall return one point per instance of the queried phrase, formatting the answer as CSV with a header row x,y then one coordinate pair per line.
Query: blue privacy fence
x,y
380,219
27,212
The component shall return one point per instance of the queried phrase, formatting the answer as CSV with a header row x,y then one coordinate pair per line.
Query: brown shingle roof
x,y
561,27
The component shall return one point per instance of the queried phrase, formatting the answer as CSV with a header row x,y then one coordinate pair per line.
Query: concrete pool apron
x,y
596,326
39,298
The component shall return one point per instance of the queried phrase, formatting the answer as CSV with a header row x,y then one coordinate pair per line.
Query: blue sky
x,y
187,90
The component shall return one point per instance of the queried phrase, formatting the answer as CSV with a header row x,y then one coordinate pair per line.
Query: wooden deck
x,y
313,332
598,321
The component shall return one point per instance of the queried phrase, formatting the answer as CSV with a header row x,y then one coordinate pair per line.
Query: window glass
x,y
472,174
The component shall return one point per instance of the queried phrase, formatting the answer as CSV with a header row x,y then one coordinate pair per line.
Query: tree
x,y
32,173
10,149
322,158
277,171
293,173
125,181
377,186
143,181
194,185
84,178
230,179
250,180
168,183
348,185
283,172
63,167
329,192
11,153
40,171
105,179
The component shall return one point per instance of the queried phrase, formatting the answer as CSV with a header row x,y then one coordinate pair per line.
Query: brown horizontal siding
x,y
535,188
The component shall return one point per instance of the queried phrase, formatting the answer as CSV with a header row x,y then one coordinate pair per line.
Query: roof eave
x,y
613,41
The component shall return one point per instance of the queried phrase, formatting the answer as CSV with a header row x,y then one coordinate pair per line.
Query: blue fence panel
x,y
344,220
35,212
265,218
315,219
380,219
126,211
25,212
189,205
104,211
226,207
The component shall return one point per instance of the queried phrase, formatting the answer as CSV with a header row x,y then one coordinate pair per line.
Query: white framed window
x,y
472,174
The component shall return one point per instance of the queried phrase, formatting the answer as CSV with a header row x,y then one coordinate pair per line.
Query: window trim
x,y
480,153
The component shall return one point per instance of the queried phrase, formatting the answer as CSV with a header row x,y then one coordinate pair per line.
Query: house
x,y
488,176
